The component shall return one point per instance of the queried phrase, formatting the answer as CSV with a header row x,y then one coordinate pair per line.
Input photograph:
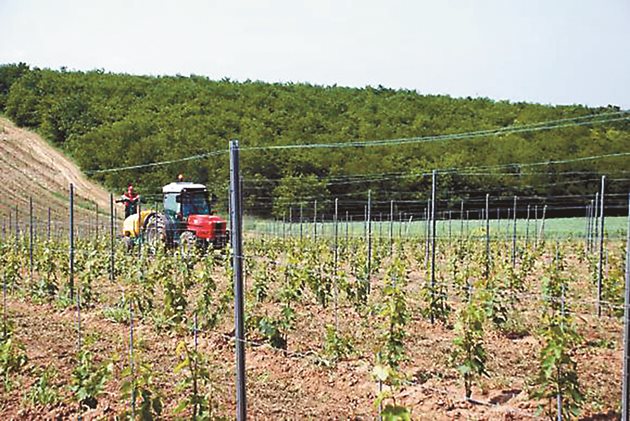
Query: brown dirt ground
x,y
292,385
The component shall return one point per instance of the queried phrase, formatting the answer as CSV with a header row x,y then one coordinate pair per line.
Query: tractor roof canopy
x,y
182,186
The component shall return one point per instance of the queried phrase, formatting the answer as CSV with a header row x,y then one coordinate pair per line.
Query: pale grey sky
x,y
547,51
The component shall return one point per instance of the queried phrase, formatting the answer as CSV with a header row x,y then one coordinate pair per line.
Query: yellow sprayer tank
x,y
131,227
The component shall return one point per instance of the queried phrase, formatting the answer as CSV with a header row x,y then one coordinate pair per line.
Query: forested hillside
x,y
105,120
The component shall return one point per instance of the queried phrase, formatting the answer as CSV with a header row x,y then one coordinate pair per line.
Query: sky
x,y
544,51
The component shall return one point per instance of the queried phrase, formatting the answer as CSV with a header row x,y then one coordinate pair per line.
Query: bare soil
x,y
294,384
31,167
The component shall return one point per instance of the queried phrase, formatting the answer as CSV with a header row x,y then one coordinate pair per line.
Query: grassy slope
x,y
31,167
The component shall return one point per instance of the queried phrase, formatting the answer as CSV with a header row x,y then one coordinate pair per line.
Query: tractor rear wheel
x,y
155,231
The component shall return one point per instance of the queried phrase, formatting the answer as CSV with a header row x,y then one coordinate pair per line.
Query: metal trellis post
x,y
600,265
237,266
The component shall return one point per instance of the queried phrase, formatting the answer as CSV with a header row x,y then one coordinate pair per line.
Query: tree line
x,y
106,120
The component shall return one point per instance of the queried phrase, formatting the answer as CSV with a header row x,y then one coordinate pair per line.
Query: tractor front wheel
x,y
187,242
128,242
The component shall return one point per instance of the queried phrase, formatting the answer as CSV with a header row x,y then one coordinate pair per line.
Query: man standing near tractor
x,y
131,199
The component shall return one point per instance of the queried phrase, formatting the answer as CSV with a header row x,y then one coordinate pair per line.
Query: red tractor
x,y
187,220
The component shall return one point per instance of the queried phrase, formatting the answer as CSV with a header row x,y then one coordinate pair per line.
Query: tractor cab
x,y
184,199
187,209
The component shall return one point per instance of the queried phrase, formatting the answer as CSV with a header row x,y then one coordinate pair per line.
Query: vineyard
x,y
390,212
497,292
498,320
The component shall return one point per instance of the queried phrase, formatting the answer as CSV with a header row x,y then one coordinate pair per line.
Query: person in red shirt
x,y
131,199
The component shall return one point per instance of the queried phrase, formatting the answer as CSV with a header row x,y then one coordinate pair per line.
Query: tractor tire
x,y
221,241
154,232
187,243
128,242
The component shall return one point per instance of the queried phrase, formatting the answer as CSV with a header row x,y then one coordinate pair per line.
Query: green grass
x,y
615,227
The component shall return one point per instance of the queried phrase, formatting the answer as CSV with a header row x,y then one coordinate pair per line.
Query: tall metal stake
x,y
336,260
368,222
96,221
487,235
595,220
433,183
514,236
78,292
591,217
461,220
30,236
4,305
301,219
290,221
587,234
542,224
391,227
600,265
625,398
71,243
365,218
450,220
140,235
284,225
536,225
131,362
427,235
111,238
315,220
527,227
467,222
559,395
237,266
17,228
380,228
